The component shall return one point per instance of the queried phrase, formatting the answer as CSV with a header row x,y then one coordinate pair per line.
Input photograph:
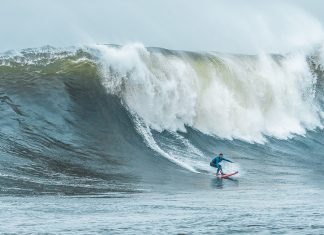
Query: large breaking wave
x,y
230,96
115,102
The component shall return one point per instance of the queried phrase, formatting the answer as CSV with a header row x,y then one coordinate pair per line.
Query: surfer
x,y
215,163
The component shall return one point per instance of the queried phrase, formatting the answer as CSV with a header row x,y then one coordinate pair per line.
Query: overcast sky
x,y
199,25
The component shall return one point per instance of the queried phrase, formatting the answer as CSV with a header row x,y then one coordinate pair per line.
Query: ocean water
x,y
118,139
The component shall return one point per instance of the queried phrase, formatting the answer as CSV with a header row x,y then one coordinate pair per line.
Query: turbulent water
x,y
120,123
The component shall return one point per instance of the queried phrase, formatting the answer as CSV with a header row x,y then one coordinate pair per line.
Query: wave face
x,y
69,116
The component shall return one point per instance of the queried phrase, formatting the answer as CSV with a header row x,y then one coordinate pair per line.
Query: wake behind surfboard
x,y
226,175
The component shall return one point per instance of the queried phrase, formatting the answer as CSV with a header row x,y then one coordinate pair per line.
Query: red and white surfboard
x,y
226,175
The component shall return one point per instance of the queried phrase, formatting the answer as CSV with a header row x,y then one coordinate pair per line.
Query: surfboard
x,y
226,175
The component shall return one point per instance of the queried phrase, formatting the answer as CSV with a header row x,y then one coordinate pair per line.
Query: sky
x,y
235,26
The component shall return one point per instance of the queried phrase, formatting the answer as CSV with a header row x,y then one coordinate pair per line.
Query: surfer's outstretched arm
x,y
224,159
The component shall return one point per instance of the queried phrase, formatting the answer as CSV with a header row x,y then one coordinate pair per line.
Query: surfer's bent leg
x,y
219,169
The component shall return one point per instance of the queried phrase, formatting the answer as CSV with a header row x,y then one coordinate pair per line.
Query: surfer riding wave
x,y
216,163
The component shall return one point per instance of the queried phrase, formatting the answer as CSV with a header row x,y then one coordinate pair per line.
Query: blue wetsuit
x,y
215,162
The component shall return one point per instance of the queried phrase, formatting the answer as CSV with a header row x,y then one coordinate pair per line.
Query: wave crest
x,y
230,96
